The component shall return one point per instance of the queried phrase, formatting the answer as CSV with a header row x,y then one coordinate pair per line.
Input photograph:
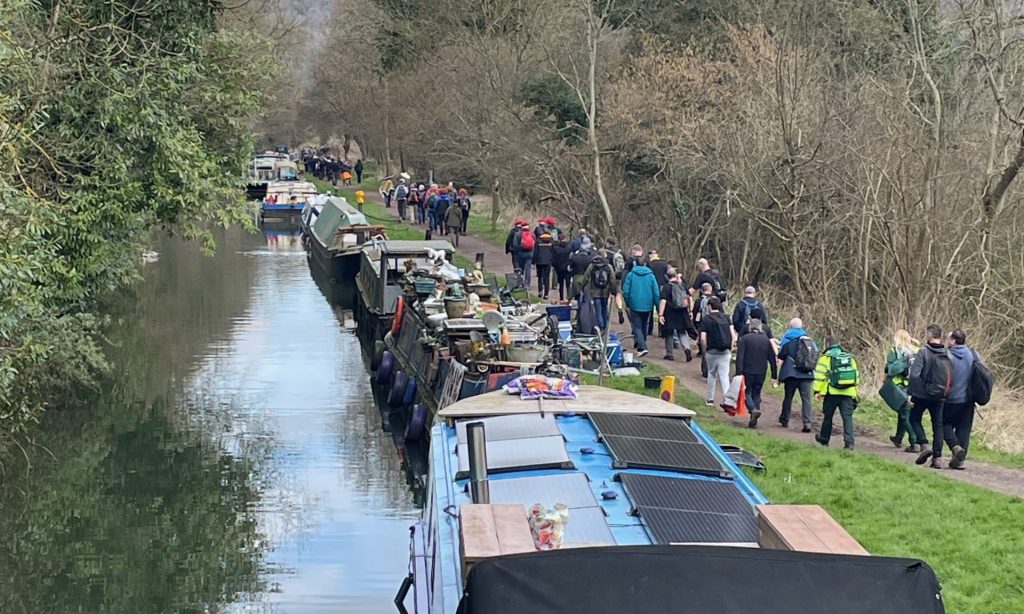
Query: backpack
x,y
806,357
600,276
402,191
717,284
678,296
937,377
897,363
618,262
719,331
748,313
528,240
979,388
842,373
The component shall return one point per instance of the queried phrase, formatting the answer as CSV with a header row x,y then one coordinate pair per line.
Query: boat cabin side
x,y
382,270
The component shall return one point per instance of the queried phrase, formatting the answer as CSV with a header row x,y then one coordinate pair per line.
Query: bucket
x,y
456,307
652,382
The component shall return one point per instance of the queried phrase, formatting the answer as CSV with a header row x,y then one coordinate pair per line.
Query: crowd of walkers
x,y
944,378
443,210
327,167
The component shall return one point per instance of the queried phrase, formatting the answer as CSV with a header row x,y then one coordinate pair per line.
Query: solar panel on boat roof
x,y
571,489
681,456
681,510
513,427
644,427
519,454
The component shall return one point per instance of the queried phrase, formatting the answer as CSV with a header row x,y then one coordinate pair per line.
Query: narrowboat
x,y
618,502
335,244
264,170
286,199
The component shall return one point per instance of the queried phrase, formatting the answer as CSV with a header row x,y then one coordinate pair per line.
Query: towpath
x,y
987,475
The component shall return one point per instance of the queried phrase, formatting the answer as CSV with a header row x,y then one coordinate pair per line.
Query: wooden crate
x,y
488,530
803,528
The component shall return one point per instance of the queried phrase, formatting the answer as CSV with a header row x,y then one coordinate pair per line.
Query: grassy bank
x,y
971,536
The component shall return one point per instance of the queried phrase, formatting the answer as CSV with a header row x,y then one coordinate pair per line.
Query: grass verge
x,y
969,535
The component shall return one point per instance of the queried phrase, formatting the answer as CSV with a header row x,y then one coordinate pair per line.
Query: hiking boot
x,y
923,457
668,357
912,448
754,415
821,440
956,463
959,453
806,429
689,355
935,464
896,441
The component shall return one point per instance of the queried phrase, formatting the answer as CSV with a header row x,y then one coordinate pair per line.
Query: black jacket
x,y
508,240
754,354
580,260
659,267
560,256
919,368
543,251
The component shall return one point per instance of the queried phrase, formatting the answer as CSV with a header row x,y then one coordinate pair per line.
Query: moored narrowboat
x,y
335,241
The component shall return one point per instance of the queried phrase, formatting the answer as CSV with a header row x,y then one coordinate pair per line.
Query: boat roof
x,y
638,474
335,214
592,399
393,246
699,579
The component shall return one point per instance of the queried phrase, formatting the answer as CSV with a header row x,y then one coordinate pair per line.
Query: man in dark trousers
x,y
359,170
930,380
754,355
543,258
796,377
958,412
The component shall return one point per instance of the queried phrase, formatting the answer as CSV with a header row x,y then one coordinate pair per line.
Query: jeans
x,y
600,312
934,407
421,214
845,406
526,265
564,284
543,279
718,370
387,201
791,386
957,421
638,322
753,383
431,220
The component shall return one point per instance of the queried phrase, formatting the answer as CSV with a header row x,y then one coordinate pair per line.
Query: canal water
x,y
234,462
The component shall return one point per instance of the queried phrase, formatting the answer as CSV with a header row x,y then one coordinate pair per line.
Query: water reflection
x,y
235,462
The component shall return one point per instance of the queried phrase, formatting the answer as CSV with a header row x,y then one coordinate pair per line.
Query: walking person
x,y
747,309
640,292
717,338
835,383
600,283
660,268
465,203
510,240
453,224
674,315
359,170
708,275
577,243
416,204
958,413
401,192
524,244
387,190
898,359
930,377
755,354
799,356
560,261
701,309
543,258
578,264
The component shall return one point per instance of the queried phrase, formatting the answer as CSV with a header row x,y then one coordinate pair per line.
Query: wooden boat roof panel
x,y
592,399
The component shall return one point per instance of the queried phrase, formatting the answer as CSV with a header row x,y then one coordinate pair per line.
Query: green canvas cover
x,y
335,214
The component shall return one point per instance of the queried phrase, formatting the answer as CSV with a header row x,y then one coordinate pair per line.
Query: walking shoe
x,y
896,441
689,355
668,357
847,446
935,464
806,429
956,463
923,457
754,415
819,439
710,402
959,453
642,353
784,424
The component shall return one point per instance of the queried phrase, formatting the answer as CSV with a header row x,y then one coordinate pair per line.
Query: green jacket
x,y
821,370
892,363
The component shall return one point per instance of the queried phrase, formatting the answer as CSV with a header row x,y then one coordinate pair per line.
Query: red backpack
x,y
528,240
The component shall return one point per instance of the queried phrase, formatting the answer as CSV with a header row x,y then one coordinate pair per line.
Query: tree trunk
x,y
387,130
593,38
495,204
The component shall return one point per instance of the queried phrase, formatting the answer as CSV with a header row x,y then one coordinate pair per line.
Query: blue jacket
x,y
641,289
963,364
787,352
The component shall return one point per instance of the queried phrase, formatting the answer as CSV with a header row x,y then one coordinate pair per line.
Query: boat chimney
x,y
479,490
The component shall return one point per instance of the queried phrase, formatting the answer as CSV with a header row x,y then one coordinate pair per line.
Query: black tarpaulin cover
x,y
699,579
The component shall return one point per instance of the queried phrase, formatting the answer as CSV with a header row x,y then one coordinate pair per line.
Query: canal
x,y
234,460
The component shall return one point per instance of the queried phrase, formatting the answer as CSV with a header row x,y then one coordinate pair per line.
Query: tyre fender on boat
x,y
396,322
387,363
410,392
397,393
378,353
417,423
